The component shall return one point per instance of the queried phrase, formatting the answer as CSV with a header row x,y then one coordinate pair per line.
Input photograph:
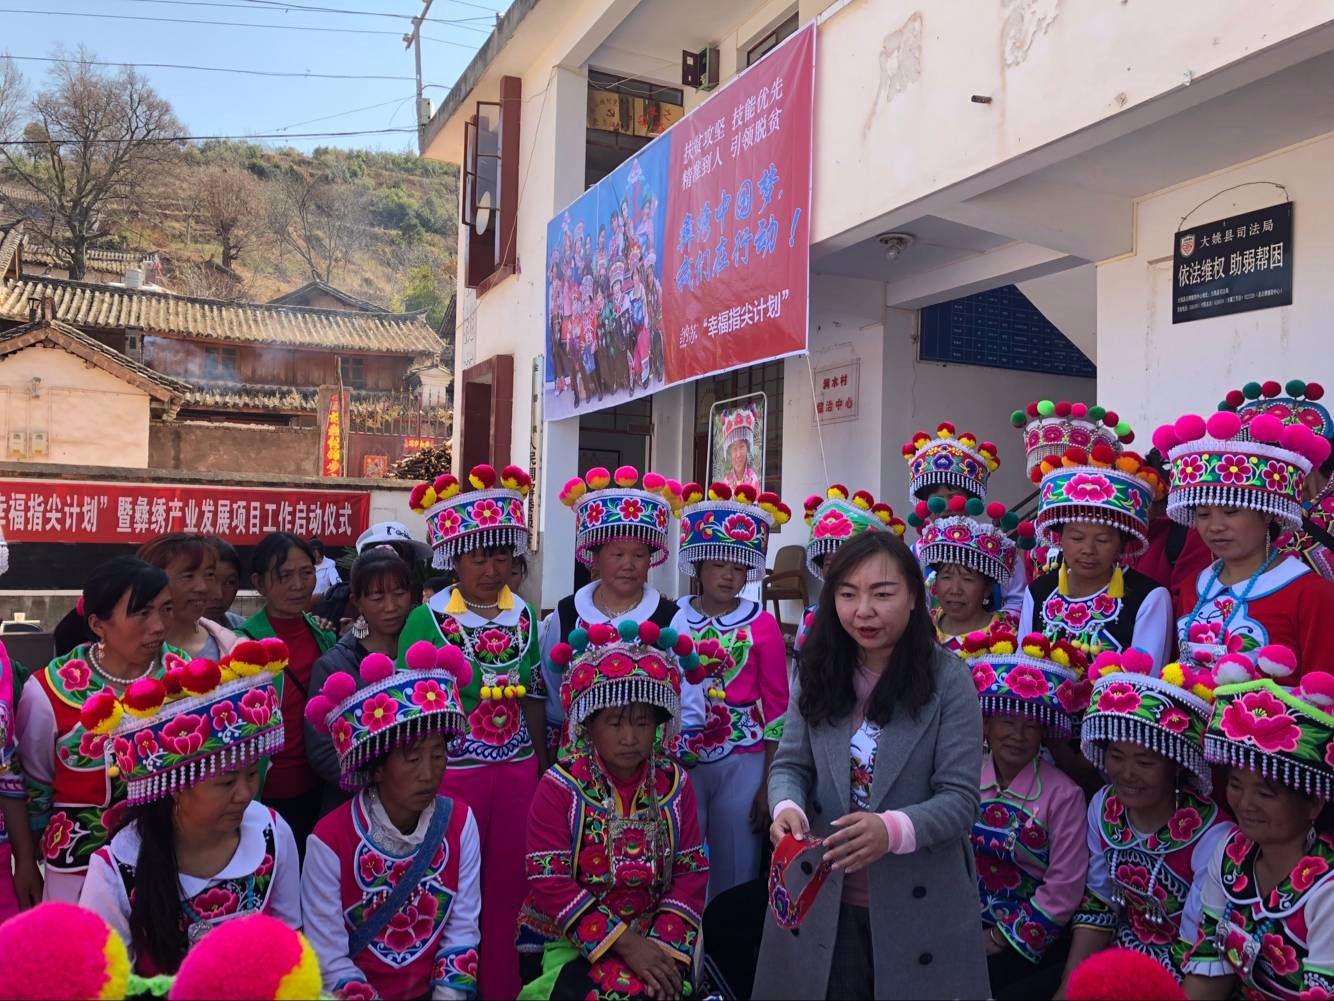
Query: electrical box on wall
x,y
39,443
17,441
700,69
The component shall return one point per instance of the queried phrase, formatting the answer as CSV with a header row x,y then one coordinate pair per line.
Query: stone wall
x,y
202,446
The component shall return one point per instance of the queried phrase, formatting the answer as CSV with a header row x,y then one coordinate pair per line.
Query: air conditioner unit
x,y
700,69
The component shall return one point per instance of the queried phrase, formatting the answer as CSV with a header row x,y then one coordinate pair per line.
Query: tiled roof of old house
x,y
102,307
11,237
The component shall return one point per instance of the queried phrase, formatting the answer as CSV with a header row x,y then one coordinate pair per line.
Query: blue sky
x,y
230,104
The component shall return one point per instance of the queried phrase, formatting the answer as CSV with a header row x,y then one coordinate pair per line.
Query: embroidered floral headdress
x,y
199,719
390,707
1284,734
727,525
1101,486
459,520
1050,428
839,516
1292,403
606,666
956,460
951,532
608,507
1036,679
1263,468
1166,714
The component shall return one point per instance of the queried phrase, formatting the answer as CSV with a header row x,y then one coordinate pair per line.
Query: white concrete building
x,y
1052,145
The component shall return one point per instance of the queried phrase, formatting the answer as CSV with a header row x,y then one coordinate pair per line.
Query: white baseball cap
x,y
389,533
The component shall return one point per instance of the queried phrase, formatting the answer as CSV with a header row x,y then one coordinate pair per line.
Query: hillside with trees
x,y
99,164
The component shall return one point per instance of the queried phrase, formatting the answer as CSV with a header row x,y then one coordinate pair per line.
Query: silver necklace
x,y
95,662
610,614
477,604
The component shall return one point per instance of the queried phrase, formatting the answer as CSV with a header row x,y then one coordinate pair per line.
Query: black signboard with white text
x,y
1233,265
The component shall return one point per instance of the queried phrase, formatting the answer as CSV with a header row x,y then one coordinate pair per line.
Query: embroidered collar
x,y
745,612
441,602
1026,787
1314,869
589,612
1191,819
1280,575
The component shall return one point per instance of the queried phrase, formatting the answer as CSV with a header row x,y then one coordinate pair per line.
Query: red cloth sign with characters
x,y
737,249
73,511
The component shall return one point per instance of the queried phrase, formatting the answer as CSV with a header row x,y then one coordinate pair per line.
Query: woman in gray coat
x,y
880,757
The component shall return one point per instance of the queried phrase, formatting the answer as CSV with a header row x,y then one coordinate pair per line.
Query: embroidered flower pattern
x,y
739,528
631,509
75,675
1275,476
448,522
1027,681
1262,719
185,733
984,676
1119,697
1234,469
1090,488
486,512
832,525
594,513
378,712
429,696
1189,469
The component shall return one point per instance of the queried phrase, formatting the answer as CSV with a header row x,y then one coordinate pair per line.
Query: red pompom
x,y
1075,456
1314,391
1032,409
1026,528
1111,418
995,510
1063,409
1236,397
1119,974
1080,410
1103,453
649,632
601,633
561,654
1271,388
60,950
684,644
958,503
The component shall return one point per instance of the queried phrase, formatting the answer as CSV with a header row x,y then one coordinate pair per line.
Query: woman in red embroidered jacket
x,y
198,849
617,870
73,801
390,887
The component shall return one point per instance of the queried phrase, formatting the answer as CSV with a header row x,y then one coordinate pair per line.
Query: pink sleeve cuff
x,y
902,836
787,804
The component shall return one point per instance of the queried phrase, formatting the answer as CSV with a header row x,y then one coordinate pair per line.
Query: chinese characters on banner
x,y
331,454
693,257
71,511
1233,265
837,395
415,443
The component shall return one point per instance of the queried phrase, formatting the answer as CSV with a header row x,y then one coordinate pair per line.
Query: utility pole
x,y
414,41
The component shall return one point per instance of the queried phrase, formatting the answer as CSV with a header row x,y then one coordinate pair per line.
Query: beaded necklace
x,y
1205,597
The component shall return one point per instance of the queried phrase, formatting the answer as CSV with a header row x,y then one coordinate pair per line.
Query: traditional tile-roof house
x,y
11,250
324,296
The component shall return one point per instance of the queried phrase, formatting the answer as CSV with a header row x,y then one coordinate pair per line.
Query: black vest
x,y
1117,635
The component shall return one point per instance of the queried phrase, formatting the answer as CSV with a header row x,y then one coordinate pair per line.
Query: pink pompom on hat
x,y
458,520
613,507
279,963
60,950
368,717
1262,466
731,526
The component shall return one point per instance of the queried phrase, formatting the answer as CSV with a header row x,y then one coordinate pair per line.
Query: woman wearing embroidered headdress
x,y
1153,827
1238,477
198,848
1268,897
738,448
1094,507
724,538
390,887
617,869
477,534
1029,839
971,562
621,532
835,518
944,467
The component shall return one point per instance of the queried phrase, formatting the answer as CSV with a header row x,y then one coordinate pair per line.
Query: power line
x,y
282,8
462,3
228,24
217,69
340,114
178,139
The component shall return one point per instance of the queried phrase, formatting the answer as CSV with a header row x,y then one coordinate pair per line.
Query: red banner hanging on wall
x,y
693,256
331,454
75,511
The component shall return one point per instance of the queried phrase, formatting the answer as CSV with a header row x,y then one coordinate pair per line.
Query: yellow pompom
x,y
520,690
1059,656
967,441
509,691
1173,675
1203,691
486,691
1003,647
113,770
429,497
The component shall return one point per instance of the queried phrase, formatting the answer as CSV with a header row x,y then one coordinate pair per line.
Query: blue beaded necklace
x,y
1242,599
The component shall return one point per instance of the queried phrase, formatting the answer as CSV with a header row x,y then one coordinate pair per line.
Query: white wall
x,y
1152,371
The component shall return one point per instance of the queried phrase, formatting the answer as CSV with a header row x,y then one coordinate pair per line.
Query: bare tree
x,y
323,221
12,93
95,142
230,206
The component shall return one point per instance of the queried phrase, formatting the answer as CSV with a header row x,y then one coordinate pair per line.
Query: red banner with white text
x,y
74,511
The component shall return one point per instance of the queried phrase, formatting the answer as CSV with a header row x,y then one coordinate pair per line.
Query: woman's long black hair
x,y
155,906
829,657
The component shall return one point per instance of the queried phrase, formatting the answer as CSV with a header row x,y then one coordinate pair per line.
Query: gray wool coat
x,y
926,928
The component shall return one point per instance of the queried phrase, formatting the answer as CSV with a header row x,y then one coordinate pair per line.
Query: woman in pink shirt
x,y
1029,838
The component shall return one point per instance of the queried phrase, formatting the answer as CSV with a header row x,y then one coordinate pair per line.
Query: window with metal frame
x,y
770,41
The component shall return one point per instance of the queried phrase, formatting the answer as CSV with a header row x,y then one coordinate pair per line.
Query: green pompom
x,y
1009,521
1027,542
1097,413
689,662
579,638
1227,406
628,629
1296,387
936,504
1018,418
1123,429
667,638
916,520
1251,390
975,506
1046,408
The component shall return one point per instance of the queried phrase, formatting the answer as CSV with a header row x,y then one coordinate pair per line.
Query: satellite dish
x,y
482,216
